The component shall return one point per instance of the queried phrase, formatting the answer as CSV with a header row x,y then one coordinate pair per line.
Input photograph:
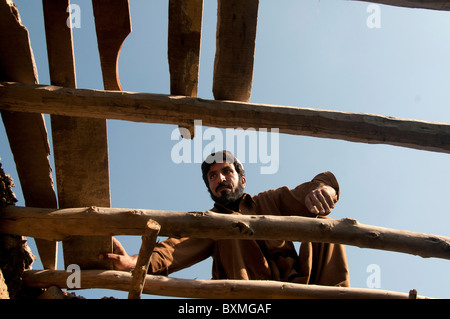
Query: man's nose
x,y
222,178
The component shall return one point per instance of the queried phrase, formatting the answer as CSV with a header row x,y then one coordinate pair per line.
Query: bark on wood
x,y
211,289
148,244
80,147
235,49
59,224
156,108
27,133
418,4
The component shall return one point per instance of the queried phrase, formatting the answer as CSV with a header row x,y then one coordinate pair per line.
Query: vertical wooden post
x,y
235,49
142,264
80,144
185,25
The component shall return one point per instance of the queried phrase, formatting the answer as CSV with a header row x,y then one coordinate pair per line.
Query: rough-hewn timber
x,y
166,109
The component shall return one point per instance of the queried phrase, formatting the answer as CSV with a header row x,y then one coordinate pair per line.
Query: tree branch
x,y
211,289
59,224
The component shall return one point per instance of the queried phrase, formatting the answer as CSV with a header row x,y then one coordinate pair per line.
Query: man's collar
x,y
246,200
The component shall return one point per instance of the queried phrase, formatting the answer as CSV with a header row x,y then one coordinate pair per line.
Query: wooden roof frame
x,y
23,100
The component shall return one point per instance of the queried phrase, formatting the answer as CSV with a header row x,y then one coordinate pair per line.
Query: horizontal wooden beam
x,y
181,110
210,289
443,5
95,221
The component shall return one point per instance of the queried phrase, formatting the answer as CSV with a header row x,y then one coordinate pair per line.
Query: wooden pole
x,y
148,244
94,221
211,289
165,109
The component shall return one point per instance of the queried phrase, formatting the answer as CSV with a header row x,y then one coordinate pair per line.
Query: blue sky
x,y
318,54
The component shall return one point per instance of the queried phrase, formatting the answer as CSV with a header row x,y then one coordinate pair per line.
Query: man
x,y
224,177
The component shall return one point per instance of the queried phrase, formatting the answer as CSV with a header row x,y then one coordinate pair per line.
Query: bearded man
x,y
247,259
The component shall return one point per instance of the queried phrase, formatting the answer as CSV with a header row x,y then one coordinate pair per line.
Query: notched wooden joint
x,y
243,228
92,209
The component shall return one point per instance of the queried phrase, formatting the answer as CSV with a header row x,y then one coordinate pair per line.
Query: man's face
x,y
225,185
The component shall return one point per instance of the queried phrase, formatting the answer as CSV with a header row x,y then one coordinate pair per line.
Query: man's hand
x,y
321,200
121,260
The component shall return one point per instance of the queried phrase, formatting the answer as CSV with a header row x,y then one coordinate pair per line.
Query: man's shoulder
x,y
273,192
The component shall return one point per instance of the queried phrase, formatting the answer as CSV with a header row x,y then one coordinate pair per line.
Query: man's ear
x,y
243,180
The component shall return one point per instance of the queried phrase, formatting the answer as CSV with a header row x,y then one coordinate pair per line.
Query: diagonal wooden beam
x,y
164,109
26,132
149,238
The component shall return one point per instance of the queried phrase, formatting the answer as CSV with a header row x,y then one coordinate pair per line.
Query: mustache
x,y
224,184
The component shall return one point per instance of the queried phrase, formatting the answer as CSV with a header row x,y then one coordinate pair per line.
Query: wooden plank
x,y
235,49
156,108
185,25
85,157
112,25
26,132
83,179
79,144
210,289
56,224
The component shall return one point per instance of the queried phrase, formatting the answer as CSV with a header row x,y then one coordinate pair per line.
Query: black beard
x,y
227,199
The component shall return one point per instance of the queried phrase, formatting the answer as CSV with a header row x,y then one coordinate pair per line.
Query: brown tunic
x,y
316,263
